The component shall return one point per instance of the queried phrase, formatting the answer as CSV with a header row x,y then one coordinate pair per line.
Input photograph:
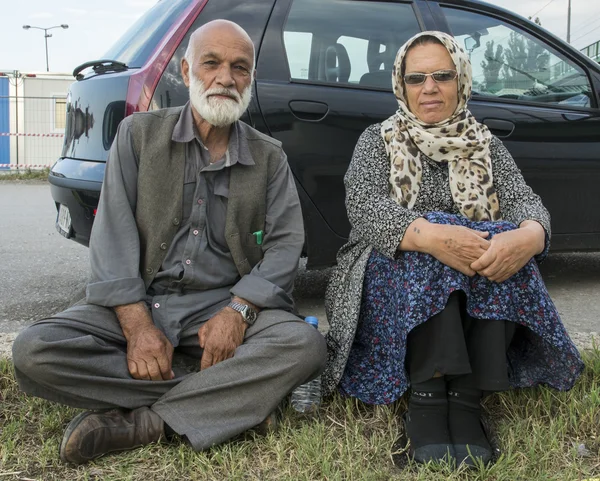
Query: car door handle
x,y
500,128
573,117
309,111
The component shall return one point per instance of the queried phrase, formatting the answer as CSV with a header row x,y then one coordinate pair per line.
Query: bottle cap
x,y
312,320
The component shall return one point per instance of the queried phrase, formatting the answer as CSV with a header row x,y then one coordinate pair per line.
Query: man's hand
x,y
457,246
510,251
149,352
220,336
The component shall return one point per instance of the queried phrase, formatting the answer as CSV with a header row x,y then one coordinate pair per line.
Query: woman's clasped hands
x,y
470,252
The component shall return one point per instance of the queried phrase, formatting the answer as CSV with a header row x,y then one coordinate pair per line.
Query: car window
x,y
138,43
299,61
359,48
346,42
509,63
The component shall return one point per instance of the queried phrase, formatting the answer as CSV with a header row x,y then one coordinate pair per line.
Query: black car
x,y
324,75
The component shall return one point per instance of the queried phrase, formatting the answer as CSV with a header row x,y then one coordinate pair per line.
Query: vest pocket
x,y
252,239
252,249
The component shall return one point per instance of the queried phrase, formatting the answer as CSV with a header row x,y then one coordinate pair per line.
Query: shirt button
x,y
196,232
163,246
188,262
175,221
149,270
157,305
200,201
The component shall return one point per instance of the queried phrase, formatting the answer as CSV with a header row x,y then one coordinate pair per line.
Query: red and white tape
x,y
19,134
25,166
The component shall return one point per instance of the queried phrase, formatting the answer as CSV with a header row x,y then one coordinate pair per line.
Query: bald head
x,y
218,68
222,31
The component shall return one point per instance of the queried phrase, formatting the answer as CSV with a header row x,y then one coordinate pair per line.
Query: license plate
x,y
63,221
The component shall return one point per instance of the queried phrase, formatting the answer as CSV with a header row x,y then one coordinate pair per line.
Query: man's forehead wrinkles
x,y
217,45
234,55
221,54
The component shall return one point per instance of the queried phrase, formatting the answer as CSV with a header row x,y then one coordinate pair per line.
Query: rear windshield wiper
x,y
100,67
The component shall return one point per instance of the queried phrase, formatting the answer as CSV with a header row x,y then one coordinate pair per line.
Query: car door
x,y
541,99
324,75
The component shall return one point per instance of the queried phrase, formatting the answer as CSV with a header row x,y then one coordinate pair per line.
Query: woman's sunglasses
x,y
439,76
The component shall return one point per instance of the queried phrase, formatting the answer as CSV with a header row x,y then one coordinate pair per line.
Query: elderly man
x,y
194,250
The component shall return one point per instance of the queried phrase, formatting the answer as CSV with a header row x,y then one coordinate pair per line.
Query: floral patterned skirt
x,y
400,294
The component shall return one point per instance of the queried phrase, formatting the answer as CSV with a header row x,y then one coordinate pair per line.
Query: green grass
x,y
539,431
26,174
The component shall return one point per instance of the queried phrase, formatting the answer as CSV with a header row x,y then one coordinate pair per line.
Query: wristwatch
x,y
247,312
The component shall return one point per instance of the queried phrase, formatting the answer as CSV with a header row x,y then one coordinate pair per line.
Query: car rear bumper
x,y
80,195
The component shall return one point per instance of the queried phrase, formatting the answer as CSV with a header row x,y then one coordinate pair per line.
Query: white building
x,y
36,104
593,51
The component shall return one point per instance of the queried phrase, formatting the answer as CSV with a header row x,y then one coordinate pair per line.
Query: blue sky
x,y
95,25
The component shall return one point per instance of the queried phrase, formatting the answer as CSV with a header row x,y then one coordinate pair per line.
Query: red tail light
x,y
143,82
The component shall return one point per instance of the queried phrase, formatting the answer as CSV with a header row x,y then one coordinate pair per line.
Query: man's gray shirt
x,y
198,276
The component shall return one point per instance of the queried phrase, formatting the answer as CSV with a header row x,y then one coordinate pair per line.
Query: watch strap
x,y
245,310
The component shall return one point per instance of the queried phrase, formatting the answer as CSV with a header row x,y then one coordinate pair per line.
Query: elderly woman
x,y
438,287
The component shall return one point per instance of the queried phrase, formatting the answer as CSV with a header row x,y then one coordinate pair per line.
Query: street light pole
x,y
46,42
569,23
46,36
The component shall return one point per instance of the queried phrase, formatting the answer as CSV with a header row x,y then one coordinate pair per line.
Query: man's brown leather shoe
x,y
93,434
269,425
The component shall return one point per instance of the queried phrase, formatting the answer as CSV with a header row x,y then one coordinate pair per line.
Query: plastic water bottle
x,y
306,399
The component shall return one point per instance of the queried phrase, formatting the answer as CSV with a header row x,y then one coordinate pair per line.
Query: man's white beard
x,y
218,111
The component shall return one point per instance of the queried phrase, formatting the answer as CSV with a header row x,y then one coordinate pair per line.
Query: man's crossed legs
x,y
78,358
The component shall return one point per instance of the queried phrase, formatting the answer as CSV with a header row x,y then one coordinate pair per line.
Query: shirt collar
x,y
184,128
237,149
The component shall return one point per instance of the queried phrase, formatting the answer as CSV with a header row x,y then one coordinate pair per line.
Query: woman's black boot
x,y
426,422
466,430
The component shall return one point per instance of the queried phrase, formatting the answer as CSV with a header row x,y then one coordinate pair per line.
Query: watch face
x,y
250,315
247,312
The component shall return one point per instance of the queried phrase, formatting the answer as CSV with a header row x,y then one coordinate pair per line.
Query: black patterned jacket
x,y
378,222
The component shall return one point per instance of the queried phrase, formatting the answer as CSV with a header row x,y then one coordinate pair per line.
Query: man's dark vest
x,y
160,191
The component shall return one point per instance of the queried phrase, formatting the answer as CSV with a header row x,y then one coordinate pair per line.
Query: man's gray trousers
x,y
78,358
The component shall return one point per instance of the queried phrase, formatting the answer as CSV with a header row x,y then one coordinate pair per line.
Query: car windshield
x,y
138,43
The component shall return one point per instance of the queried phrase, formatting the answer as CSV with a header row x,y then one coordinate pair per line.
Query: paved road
x,y
41,272
39,269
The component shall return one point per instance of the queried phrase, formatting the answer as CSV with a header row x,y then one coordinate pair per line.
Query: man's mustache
x,y
224,92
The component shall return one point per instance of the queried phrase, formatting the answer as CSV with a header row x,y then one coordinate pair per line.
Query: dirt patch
x,y
6,341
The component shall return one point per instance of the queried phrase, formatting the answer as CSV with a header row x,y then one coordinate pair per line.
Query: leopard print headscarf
x,y
460,141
